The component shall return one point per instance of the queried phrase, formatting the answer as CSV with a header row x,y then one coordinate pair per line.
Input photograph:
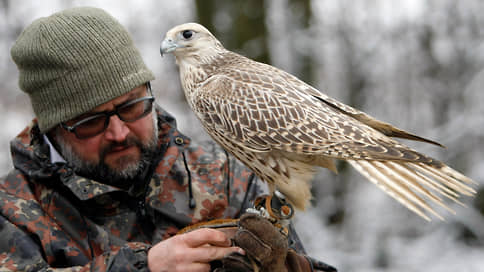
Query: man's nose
x,y
117,130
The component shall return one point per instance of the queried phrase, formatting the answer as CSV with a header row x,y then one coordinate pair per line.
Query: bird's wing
x,y
263,108
383,127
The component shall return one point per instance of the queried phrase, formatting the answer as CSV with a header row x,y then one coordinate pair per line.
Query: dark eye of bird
x,y
187,34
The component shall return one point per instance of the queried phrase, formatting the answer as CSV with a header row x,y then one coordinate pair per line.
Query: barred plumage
x,y
282,128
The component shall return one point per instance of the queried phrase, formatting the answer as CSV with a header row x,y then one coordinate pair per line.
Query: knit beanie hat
x,y
75,60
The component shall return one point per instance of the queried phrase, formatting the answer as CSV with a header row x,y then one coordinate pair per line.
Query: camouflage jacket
x,y
54,220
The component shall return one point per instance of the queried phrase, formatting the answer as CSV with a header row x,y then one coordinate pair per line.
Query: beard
x,y
127,170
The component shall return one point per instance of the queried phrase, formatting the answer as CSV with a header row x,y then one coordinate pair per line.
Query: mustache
x,y
128,142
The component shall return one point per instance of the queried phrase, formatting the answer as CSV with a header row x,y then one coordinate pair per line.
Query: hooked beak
x,y
168,46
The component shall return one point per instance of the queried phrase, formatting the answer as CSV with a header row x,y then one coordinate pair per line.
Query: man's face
x,y
119,153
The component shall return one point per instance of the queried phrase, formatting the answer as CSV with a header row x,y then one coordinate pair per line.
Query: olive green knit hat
x,y
74,61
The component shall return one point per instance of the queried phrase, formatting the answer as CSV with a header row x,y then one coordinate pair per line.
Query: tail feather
x,y
446,179
416,185
458,176
420,181
395,189
432,184
413,181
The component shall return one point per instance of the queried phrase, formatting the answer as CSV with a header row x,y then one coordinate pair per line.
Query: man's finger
x,y
196,267
212,253
205,236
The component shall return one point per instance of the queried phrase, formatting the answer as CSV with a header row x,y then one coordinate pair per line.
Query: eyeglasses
x,y
95,124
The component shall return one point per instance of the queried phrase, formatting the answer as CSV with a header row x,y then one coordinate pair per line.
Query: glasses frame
x,y
109,114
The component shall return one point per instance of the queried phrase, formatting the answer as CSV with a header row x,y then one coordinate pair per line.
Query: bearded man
x,y
102,178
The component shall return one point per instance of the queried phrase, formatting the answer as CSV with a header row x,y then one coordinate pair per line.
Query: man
x,y
102,178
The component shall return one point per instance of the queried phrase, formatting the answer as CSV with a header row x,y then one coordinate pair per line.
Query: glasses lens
x,y
135,110
129,112
90,126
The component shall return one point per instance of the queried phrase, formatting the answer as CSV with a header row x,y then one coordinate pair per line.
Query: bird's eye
x,y
187,34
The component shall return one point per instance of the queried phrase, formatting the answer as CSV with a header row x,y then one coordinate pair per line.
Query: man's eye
x,y
187,34
93,121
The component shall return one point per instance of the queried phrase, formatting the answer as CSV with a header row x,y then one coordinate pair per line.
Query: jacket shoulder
x,y
15,184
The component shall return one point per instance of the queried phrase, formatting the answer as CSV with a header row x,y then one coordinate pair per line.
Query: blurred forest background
x,y
416,64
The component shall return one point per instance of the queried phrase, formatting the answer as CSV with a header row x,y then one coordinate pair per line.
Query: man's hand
x,y
263,242
267,250
192,251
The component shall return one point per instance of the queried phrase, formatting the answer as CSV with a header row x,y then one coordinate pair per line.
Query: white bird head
x,y
190,39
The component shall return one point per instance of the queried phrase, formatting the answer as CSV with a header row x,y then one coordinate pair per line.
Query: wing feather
x,y
267,109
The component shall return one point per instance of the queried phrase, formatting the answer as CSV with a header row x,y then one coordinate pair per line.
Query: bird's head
x,y
188,40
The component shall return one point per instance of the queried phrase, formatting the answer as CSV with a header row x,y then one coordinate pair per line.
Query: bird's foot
x,y
273,207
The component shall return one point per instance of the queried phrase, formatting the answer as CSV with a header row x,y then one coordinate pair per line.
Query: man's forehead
x,y
134,93
140,90
110,105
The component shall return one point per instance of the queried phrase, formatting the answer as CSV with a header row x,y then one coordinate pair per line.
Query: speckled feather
x,y
282,128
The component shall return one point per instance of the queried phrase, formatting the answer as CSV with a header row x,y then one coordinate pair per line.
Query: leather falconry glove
x,y
266,248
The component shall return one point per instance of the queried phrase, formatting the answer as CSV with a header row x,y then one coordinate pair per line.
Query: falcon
x,y
283,129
